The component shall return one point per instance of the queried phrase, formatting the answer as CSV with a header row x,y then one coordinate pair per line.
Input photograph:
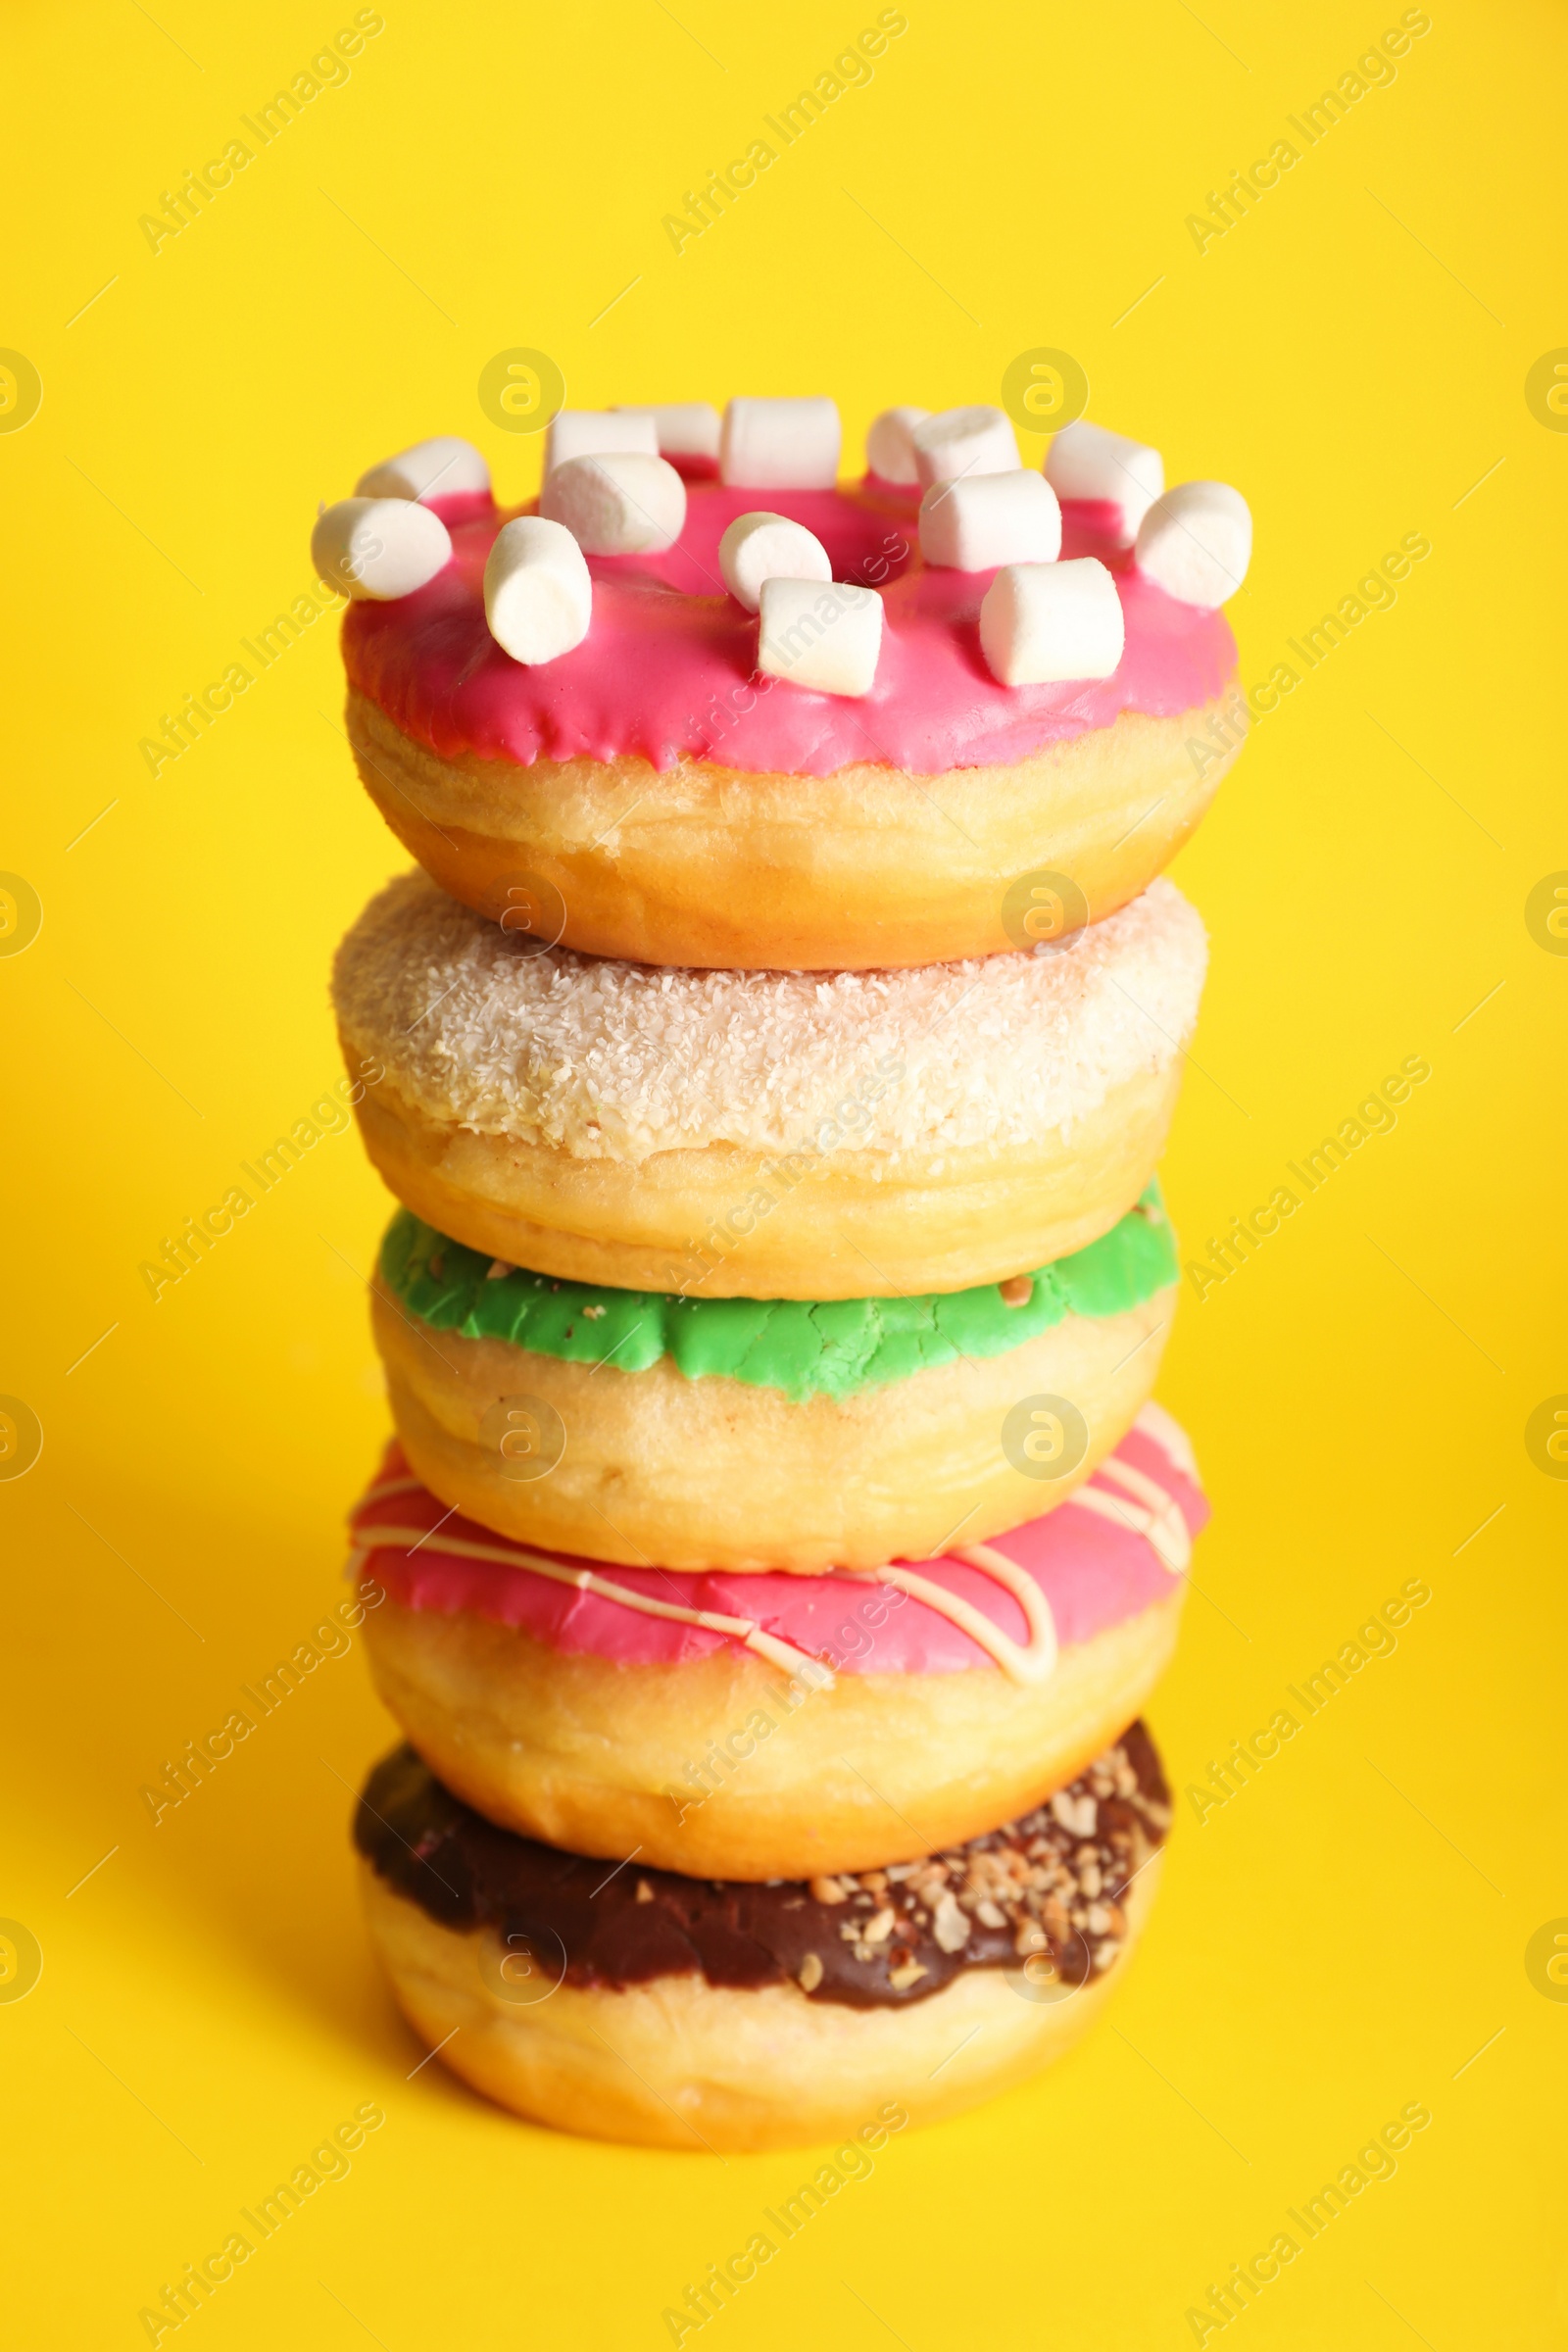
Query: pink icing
x,y
1093,1573
668,669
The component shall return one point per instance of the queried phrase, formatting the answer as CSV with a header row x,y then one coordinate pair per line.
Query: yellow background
x,y
1336,1942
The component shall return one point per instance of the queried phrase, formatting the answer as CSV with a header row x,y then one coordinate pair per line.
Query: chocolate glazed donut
x,y
691,2013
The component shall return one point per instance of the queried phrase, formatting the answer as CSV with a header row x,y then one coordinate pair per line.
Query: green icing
x,y
830,1349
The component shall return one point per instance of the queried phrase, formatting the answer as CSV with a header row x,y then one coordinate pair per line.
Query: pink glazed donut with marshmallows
x,y
904,756
761,1726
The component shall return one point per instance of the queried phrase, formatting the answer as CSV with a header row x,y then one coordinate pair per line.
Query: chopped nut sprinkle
x,y
1075,1813
1047,1884
948,1925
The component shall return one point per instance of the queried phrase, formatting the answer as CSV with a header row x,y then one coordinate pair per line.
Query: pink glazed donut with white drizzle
x,y
759,1726
708,704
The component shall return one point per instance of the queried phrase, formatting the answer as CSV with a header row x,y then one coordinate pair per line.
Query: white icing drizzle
x,y
1036,1662
1154,1514
1150,1512
784,1655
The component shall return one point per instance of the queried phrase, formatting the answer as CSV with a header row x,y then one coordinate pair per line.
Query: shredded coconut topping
x,y
610,1060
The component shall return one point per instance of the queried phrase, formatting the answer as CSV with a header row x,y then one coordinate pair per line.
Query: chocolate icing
x,y
1048,1882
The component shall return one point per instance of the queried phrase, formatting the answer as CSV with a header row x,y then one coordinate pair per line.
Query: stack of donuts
x,y
778,1541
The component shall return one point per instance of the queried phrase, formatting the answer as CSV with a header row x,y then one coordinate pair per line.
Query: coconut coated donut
x,y
764,1434
692,2012
778,1135
764,1727
650,795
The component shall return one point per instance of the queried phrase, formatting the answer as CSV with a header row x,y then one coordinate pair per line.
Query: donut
x,y
765,1134
766,1727
652,780
630,2004
690,1433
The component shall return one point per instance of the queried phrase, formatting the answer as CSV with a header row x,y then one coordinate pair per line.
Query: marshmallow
x,y
963,441
768,547
828,638
429,470
1196,542
597,434
624,503
378,548
889,450
538,596
991,518
1088,460
685,429
1041,622
780,444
